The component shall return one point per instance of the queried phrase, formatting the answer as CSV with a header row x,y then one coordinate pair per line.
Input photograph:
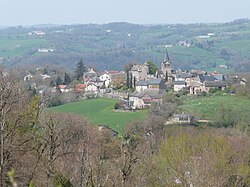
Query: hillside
x,y
223,47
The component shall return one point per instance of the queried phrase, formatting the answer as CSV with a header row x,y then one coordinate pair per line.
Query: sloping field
x,y
100,112
209,106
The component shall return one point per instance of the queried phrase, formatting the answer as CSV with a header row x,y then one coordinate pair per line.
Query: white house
x,y
179,85
106,78
141,86
91,87
28,77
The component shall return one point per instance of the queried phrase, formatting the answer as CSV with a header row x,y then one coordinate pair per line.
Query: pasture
x,y
101,112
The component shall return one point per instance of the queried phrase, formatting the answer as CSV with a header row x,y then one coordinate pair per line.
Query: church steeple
x,y
166,57
166,68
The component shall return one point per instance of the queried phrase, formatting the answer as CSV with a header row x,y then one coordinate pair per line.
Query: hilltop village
x,y
136,86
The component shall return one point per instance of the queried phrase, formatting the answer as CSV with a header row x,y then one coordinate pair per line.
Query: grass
x,y
100,112
208,107
18,47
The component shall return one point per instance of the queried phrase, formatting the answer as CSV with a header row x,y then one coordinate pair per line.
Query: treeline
x,y
40,148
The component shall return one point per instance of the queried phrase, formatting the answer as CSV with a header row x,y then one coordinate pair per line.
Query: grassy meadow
x,y
208,107
100,112
18,47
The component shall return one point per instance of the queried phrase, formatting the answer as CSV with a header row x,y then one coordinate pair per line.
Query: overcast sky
x,y
30,12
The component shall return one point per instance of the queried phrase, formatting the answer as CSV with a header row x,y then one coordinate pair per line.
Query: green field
x,y
208,107
100,112
18,47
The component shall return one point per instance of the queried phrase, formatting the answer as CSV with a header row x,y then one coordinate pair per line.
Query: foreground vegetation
x,y
101,112
42,148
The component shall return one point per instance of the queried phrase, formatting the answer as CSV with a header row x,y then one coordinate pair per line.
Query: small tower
x,y
166,68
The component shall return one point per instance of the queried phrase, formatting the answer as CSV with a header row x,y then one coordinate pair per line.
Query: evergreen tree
x,y
166,77
127,80
67,79
58,80
80,69
131,81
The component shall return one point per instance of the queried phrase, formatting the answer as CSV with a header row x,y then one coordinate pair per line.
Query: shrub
x,y
117,106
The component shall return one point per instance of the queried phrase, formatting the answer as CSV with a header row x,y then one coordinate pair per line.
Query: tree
x,y
16,116
80,69
58,80
67,79
152,67
190,157
166,108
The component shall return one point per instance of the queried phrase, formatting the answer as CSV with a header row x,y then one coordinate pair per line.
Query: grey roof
x,y
142,83
183,116
154,81
137,67
183,75
179,83
90,74
206,78
219,77
215,84
152,94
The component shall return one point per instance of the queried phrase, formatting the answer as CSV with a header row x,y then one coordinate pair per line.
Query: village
x,y
141,87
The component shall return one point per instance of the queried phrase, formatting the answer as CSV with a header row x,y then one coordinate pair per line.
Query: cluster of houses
x,y
148,88
151,88
94,82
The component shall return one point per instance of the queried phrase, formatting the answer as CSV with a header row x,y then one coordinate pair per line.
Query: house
x,y
45,76
28,77
91,87
156,84
179,85
218,76
182,76
139,72
90,74
198,87
152,84
243,81
62,88
105,78
142,100
232,80
220,85
203,83
79,88
141,86
45,50
181,119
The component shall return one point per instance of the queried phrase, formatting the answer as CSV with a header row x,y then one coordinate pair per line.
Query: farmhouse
x,y
181,119
142,100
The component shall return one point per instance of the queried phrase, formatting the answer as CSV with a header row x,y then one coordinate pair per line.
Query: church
x,y
166,70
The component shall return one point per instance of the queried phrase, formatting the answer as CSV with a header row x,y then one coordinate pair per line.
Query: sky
x,y
32,12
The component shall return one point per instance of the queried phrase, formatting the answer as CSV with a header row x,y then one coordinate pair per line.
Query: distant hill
x,y
222,47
